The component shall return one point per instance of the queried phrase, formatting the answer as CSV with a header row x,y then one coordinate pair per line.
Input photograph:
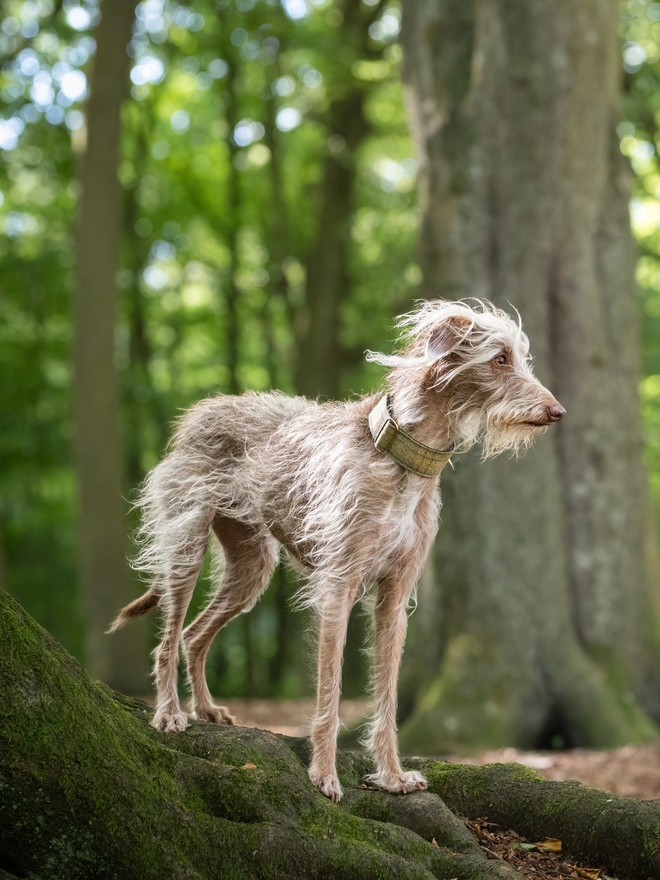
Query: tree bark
x,y
104,574
548,626
89,789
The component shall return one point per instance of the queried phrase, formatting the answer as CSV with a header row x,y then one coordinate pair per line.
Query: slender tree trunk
x,y
279,228
328,279
105,579
233,220
541,583
318,326
145,411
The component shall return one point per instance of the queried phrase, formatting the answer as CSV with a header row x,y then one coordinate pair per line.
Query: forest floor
x,y
631,771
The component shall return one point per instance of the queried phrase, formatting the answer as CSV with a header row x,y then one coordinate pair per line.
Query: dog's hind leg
x,y
178,586
250,559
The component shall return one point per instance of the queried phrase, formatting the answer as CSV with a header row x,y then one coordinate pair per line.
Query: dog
x,y
349,489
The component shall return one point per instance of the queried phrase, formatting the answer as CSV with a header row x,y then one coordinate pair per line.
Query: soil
x,y
542,860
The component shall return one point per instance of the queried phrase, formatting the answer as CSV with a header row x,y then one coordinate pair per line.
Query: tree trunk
x,y
145,414
547,623
328,279
89,789
104,573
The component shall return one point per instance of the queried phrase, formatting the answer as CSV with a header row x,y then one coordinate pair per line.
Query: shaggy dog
x,y
350,490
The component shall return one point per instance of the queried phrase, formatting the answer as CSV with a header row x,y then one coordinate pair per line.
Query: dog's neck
x,y
415,457
422,412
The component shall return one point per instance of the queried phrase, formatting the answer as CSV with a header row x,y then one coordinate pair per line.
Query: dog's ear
x,y
447,336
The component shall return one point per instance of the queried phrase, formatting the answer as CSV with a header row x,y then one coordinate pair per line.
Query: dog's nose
x,y
555,412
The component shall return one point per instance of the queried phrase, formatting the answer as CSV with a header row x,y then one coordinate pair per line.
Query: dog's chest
x,y
406,520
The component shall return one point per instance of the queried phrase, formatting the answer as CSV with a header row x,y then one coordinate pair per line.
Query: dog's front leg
x,y
335,612
391,626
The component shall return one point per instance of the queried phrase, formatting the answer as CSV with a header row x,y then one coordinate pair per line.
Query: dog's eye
x,y
501,360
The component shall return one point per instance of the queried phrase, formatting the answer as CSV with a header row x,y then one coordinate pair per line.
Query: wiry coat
x,y
267,470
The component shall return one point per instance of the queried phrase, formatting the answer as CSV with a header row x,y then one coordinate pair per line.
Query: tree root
x,y
89,790
595,826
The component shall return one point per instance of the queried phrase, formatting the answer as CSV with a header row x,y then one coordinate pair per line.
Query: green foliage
x,y
231,118
639,137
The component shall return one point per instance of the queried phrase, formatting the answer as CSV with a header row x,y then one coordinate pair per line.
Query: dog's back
x,y
224,428
204,475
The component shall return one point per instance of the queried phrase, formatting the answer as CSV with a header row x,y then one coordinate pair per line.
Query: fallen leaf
x,y
530,847
589,873
249,767
550,844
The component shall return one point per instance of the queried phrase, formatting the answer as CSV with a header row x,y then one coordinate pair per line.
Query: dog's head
x,y
472,362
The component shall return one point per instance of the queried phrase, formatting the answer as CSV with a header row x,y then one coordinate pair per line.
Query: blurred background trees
x,y
104,572
269,226
257,139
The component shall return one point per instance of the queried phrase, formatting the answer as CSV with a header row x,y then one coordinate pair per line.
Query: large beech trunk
x,y
89,789
540,581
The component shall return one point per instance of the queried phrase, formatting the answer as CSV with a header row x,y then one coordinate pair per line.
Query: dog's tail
x,y
143,605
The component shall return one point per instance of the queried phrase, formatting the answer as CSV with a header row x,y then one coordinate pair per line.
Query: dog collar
x,y
404,449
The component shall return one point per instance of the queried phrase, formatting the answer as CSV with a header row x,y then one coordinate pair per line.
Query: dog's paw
x,y
399,783
215,715
170,722
328,785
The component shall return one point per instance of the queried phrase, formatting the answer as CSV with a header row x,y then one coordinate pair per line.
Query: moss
x,y
369,807
640,729
468,783
89,790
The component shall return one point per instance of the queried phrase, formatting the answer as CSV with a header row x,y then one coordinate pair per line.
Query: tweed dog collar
x,y
404,449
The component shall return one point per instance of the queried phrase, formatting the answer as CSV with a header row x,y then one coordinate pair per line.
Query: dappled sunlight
x,y
212,200
638,133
